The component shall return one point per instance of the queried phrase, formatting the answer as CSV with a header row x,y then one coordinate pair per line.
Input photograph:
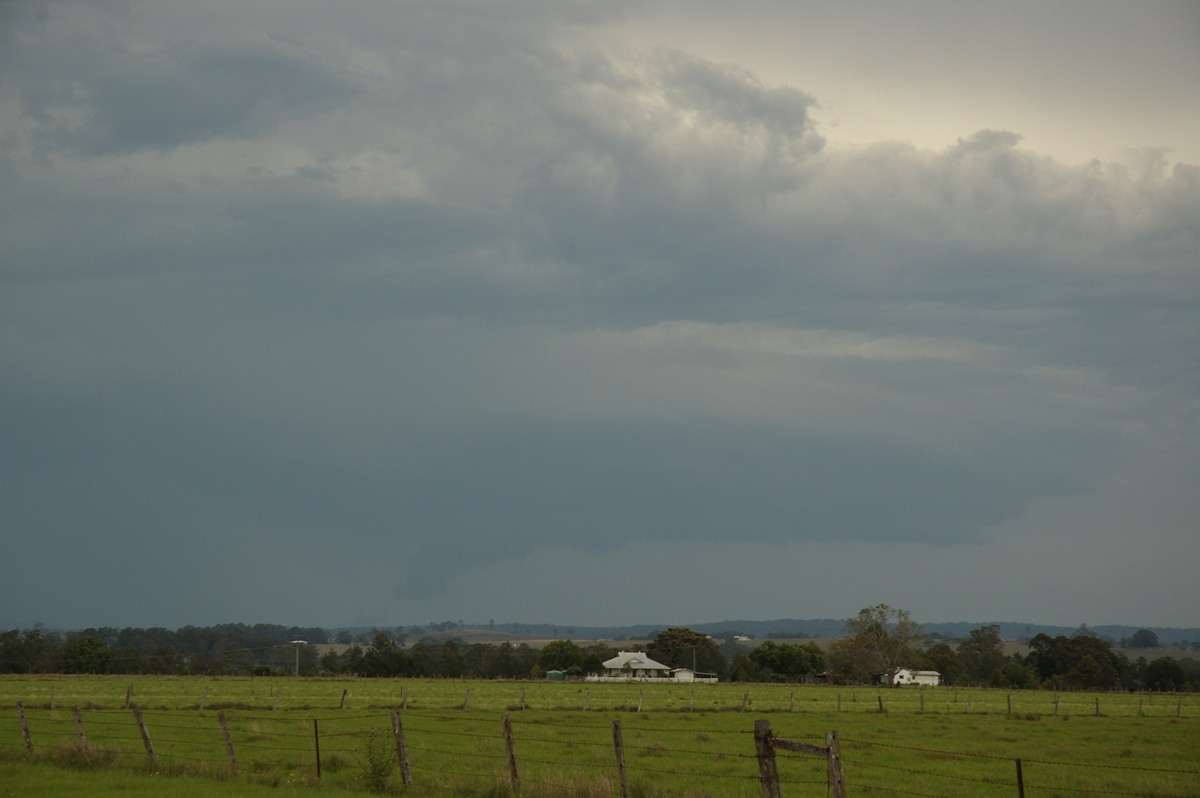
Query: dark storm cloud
x,y
435,284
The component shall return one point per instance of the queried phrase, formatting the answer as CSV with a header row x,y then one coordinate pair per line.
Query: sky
x,y
598,313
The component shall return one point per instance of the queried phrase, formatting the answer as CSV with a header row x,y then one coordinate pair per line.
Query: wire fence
x,y
543,753
264,693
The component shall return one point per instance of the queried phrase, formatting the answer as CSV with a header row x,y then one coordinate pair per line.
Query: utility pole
x,y
297,644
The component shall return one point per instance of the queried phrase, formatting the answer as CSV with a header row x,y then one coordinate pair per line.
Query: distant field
x,y
685,740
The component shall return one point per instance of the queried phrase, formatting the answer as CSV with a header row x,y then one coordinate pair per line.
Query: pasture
x,y
678,739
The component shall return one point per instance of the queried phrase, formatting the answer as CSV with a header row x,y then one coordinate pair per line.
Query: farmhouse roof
x,y
637,660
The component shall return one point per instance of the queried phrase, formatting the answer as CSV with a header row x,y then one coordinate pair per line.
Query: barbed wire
x,y
978,779
1094,791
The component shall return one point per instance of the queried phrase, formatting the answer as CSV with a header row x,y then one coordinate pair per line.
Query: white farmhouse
x,y
631,666
905,677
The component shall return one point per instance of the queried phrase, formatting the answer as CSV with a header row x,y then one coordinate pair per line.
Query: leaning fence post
x,y
345,693
24,726
837,786
228,741
619,749
768,773
401,748
511,747
317,747
141,724
1020,780
79,733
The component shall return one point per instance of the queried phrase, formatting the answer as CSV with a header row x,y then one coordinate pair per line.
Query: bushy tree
x,y
1142,638
941,657
680,647
385,657
560,655
1080,661
87,655
788,660
981,655
880,640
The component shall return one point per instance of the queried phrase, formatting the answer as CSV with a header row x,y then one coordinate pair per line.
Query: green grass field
x,y
684,741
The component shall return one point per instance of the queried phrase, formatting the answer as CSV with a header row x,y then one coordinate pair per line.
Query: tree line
x,y
876,644
880,640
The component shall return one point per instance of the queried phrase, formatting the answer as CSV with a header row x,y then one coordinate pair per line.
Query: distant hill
x,y
810,627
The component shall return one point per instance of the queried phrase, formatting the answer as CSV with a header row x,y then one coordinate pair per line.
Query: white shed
x,y
905,677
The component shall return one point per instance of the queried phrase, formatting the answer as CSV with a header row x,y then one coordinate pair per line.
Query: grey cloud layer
x,y
468,288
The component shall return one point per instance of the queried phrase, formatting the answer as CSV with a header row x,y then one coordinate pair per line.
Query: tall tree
x,y
982,654
680,647
880,640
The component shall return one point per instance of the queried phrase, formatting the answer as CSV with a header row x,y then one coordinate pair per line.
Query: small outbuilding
x,y
905,677
689,675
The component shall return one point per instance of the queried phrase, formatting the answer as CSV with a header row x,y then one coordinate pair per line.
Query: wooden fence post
x,y
317,747
467,700
128,696
141,724
1020,780
882,711
619,749
768,773
24,726
404,698
228,741
345,693
401,748
837,786
745,701
510,746
79,733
